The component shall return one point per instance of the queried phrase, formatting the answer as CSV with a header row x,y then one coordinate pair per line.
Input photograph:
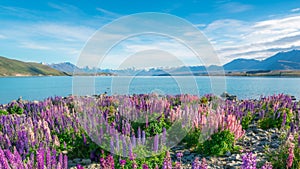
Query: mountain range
x,y
281,64
282,61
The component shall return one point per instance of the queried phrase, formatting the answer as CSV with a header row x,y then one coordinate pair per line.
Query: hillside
x,y
10,67
241,64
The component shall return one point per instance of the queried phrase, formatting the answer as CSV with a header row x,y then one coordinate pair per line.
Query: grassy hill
x,y
10,67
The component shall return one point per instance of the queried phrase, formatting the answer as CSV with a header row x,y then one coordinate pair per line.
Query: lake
x,y
38,88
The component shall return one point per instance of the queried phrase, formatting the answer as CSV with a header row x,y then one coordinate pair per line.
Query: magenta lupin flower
x,y
79,166
110,161
203,164
145,166
167,164
122,163
102,162
290,159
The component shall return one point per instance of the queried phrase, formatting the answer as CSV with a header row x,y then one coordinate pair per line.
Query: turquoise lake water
x,y
38,88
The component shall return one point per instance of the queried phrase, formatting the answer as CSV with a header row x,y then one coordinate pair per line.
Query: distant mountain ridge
x,y
281,61
11,67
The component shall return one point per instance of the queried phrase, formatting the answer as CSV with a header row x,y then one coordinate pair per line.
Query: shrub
x,y
219,143
3,112
246,120
277,119
15,109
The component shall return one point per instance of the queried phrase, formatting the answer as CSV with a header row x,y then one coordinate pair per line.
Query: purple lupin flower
x,y
129,149
124,147
143,137
196,163
139,136
40,158
284,119
48,158
65,162
60,159
3,160
179,156
249,161
84,139
117,141
112,145
10,156
133,140
53,158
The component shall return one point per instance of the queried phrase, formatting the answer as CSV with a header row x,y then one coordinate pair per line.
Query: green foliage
x,y
204,100
152,161
15,109
192,138
3,112
219,144
75,145
246,120
272,121
155,126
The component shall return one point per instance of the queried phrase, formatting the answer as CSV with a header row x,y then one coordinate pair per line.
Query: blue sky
x,y
56,31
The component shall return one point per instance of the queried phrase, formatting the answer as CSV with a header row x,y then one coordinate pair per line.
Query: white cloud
x,y
200,25
32,45
63,31
235,38
235,7
2,37
109,13
295,10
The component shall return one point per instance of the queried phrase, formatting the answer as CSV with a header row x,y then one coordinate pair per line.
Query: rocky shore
x,y
256,140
